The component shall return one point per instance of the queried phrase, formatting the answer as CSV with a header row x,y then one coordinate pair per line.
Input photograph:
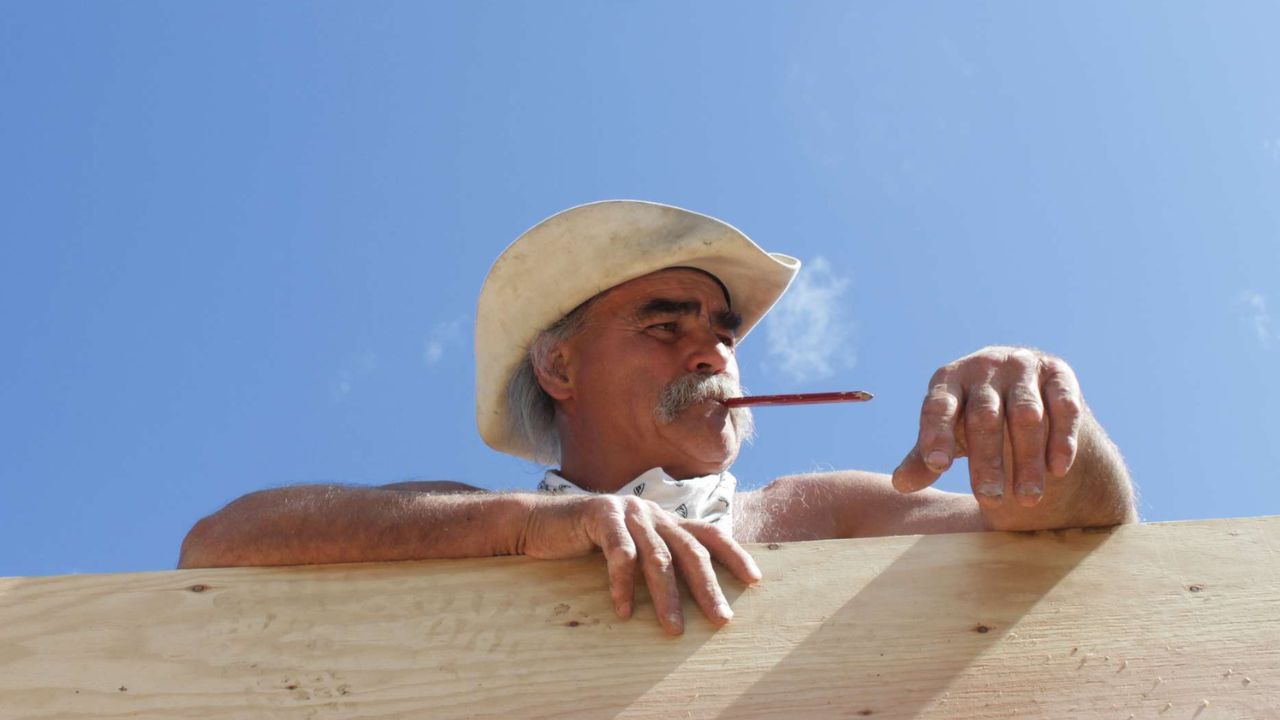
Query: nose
x,y
708,353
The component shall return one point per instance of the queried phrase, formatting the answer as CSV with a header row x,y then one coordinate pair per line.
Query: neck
x,y
582,463
600,472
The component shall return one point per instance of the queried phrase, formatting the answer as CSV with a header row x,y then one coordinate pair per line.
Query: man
x,y
605,341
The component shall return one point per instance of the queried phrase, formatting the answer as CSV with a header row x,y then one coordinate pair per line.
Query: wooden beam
x,y
1176,620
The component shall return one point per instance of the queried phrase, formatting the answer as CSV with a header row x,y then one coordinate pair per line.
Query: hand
x,y
1014,412
630,530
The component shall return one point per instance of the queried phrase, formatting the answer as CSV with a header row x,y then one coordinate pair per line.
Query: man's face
x,y
639,338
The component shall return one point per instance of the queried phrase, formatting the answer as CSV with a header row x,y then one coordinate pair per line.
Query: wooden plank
x,y
1149,621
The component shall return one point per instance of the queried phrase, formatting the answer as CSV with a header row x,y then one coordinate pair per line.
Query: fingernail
x,y
754,570
991,490
1031,490
676,621
624,609
937,461
724,611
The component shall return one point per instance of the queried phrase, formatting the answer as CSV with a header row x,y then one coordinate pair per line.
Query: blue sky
x,y
242,242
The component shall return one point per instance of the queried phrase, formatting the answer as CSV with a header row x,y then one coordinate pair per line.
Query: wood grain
x,y
1148,621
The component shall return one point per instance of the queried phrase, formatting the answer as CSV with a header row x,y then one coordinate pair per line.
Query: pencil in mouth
x,y
800,398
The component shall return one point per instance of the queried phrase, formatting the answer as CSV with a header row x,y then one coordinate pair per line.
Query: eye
x,y
666,326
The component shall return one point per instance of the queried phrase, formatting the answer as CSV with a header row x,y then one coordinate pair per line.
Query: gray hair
x,y
533,412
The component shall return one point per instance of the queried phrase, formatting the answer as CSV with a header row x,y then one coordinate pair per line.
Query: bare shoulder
x,y
434,487
849,504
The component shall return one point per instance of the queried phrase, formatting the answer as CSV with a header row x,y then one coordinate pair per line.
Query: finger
x,y
610,534
912,474
1028,430
725,550
658,566
984,433
1066,413
936,442
694,563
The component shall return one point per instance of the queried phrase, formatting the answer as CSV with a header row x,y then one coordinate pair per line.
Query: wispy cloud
x,y
1254,309
444,336
360,366
810,330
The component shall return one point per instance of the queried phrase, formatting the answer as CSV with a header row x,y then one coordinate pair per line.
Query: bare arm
x,y
415,521
848,504
315,524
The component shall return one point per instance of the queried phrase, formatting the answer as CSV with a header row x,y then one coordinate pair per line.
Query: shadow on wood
x,y
1150,620
916,625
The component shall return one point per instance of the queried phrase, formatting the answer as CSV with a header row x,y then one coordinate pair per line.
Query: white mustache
x,y
691,389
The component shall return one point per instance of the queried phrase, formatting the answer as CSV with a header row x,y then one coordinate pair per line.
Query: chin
x,y
708,440
716,452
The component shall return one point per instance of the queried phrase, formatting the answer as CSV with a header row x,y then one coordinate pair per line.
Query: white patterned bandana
x,y
708,498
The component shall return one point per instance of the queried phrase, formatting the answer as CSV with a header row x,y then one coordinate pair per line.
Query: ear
x,y
553,374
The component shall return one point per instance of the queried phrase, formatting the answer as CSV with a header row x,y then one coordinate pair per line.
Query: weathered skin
x,y
1037,460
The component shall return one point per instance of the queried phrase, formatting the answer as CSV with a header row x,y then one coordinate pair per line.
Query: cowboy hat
x,y
578,253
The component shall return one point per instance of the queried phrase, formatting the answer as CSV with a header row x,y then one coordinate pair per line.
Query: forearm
x,y
335,524
1096,492
848,504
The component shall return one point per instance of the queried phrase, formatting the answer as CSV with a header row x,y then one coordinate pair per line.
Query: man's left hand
x,y
1015,413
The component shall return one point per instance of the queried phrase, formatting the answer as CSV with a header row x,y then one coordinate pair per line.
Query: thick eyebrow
x,y
726,319
729,320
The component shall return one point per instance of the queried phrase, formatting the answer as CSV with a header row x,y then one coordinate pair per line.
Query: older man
x,y
605,343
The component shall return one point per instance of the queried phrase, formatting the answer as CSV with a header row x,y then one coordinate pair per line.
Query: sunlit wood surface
x,y
1175,620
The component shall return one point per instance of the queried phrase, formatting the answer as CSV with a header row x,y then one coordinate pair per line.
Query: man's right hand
x,y
629,530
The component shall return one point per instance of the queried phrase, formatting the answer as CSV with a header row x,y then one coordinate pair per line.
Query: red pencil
x,y
800,398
